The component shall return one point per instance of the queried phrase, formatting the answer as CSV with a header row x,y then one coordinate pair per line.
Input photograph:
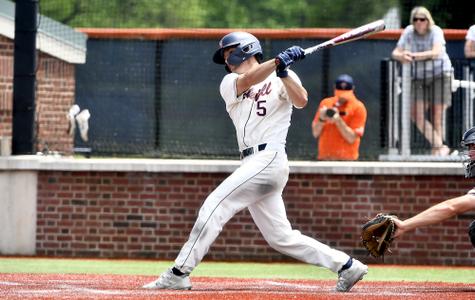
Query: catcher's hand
x,y
377,234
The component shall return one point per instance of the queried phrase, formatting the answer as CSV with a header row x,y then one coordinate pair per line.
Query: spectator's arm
x,y
317,127
319,120
346,131
469,49
401,55
430,54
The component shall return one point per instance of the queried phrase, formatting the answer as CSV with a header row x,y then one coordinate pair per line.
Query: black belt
x,y
250,151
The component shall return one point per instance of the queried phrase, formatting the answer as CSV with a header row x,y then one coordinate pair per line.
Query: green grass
x,y
237,270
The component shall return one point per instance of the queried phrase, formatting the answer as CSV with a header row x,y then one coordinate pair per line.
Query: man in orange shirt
x,y
339,123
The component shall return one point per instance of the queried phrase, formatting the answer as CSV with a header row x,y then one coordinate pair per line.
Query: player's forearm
x,y
257,74
431,216
297,93
347,133
440,212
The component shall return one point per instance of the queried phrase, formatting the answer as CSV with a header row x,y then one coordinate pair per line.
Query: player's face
x,y
243,67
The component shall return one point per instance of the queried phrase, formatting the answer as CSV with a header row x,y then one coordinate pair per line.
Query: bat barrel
x,y
349,36
377,25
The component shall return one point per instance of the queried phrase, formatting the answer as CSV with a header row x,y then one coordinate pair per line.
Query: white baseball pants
x,y
257,184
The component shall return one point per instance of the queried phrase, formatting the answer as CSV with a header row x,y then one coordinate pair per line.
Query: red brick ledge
x,y
217,33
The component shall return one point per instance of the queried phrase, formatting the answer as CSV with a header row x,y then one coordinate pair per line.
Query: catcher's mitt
x,y
377,234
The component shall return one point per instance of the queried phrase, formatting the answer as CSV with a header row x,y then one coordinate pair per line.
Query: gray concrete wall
x,y
18,191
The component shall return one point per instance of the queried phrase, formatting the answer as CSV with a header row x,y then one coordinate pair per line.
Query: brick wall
x,y
149,215
6,86
55,95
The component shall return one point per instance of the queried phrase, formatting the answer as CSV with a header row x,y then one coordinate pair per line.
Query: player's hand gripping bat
x,y
352,35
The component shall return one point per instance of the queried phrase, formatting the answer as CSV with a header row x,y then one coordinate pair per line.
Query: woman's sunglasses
x,y
419,19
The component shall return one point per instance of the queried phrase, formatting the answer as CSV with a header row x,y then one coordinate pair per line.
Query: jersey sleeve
x,y
358,121
295,76
228,89
403,39
438,35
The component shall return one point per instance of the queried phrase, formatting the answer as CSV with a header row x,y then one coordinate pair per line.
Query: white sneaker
x,y
348,277
73,111
170,281
83,121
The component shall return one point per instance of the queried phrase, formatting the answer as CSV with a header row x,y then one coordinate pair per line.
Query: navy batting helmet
x,y
468,155
246,45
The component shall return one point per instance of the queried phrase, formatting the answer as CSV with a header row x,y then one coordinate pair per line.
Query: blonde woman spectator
x,y
423,45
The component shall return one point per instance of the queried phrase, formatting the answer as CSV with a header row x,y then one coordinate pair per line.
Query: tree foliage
x,y
244,13
214,13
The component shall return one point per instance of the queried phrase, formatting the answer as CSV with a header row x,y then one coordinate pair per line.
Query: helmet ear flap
x,y
259,57
218,56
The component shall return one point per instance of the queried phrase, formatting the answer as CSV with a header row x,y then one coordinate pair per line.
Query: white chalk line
x,y
9,283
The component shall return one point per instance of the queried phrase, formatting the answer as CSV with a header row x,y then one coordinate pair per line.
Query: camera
x,y
330,112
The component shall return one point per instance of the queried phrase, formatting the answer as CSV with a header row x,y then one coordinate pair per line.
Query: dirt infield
x,y
54,286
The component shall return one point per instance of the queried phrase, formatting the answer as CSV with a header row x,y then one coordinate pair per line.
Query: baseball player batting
x,y
259,98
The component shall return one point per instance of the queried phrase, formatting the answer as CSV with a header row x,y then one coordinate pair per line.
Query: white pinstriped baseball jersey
x,y
262,113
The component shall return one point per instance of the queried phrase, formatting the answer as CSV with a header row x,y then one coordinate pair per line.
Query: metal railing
x,y
425,110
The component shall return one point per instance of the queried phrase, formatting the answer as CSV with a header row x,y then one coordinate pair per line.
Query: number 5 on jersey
x,y
261,109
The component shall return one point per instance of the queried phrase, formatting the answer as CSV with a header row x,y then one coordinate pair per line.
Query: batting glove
x,y
296,53
283,61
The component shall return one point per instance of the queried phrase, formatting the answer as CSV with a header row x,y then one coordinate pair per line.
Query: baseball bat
x,y
352,35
